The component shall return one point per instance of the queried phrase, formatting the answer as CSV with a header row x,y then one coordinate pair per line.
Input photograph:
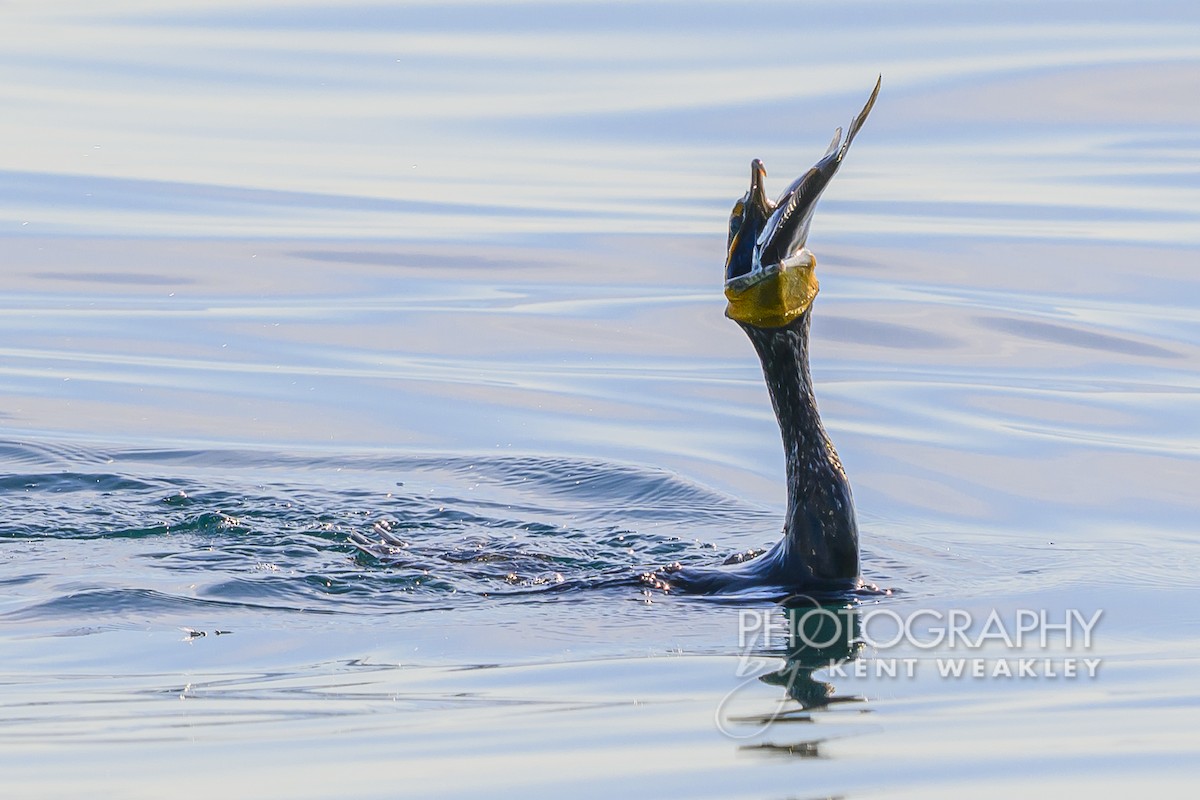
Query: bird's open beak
x,y
746,223
769,275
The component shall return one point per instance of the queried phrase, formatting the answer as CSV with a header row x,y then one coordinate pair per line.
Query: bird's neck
x,y
820,533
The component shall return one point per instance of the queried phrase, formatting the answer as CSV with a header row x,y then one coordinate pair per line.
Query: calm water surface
x,y
281,275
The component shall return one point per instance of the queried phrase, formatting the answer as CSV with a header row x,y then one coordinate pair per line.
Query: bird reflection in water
x,y
817,635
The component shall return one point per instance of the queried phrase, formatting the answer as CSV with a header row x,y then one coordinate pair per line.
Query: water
x,y
280,276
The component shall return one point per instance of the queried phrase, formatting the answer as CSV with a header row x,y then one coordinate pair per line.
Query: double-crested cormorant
x,y
770,283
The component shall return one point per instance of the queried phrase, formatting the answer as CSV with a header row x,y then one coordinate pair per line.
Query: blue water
x,y
280,278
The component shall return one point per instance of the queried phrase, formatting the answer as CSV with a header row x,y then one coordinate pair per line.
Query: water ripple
x,y
167,531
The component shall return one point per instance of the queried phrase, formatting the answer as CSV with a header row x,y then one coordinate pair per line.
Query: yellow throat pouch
x,y
776,295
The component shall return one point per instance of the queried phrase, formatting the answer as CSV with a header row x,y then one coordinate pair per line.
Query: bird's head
x,y
770,278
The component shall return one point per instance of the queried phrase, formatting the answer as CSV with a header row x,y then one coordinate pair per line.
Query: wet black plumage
x,y
819,547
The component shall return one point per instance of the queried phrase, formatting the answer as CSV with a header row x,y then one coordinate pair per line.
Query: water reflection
x,y
817,635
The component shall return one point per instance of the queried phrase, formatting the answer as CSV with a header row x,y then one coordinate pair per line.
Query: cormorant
x,y
770,283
